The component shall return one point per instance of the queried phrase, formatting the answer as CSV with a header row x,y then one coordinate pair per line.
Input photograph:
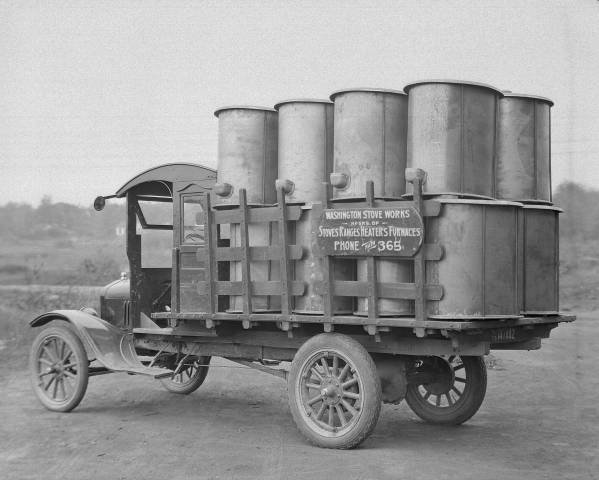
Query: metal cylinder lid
x,y
369,142
507,93
247,154
472,201
451,135
452,82
278,105
365,89
305,147
218,111
529,206
523,150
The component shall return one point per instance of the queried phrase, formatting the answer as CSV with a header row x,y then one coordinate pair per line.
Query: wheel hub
x,y
331,391
444,379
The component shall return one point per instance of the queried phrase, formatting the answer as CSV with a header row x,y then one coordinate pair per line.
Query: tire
x,y
190,378
59,368
348,390
454,398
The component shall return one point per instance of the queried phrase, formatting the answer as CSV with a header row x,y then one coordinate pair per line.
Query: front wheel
x,y
59,368
334,391
454,392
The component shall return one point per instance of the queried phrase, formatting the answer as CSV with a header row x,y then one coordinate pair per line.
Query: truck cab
x,y
164,232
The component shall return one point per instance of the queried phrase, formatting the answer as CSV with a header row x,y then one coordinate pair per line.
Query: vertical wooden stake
x,y
372,271
210,257
328,294
419,270
134,255
286,299
176,274
246,280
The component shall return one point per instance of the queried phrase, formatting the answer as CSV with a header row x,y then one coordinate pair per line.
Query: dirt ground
x,y
540,420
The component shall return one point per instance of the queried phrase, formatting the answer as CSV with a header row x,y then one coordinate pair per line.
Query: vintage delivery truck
x,y
314,254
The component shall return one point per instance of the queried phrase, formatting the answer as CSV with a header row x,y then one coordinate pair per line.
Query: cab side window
x,y
193,220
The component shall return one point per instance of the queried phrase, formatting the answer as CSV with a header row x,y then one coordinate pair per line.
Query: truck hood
x,y
117,289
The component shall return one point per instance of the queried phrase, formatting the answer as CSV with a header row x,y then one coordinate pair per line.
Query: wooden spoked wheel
x,y
456,392
334,391
189,378
59,368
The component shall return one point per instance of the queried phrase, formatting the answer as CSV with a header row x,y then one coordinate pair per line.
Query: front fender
x,y
111,346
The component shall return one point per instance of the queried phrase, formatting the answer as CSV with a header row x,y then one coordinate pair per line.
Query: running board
x,y
117,353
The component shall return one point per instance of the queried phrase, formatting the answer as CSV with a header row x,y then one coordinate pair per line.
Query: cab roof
x,y
167,174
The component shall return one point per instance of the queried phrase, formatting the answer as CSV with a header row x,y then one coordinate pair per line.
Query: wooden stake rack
x,y
284,253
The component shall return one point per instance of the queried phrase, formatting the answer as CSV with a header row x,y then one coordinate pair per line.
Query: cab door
x,y
189,268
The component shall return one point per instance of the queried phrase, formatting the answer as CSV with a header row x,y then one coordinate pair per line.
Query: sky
x,y
92,93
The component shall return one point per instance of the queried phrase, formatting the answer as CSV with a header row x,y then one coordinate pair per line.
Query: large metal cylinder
x,y
370,145
539,255
451,135
523,160
305,146
247,153
247,158
388,271
259,235
310,270
370,141
306,158
479,269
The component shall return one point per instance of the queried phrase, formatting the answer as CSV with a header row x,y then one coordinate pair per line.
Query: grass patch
x,y
62,261
19,306
579,275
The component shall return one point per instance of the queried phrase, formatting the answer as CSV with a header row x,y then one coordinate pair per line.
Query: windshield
x,y
155,226
155,213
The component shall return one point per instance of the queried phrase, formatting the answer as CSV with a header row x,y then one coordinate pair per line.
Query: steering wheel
x,y
193,237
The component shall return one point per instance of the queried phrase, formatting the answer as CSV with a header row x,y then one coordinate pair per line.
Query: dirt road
x,y
540,420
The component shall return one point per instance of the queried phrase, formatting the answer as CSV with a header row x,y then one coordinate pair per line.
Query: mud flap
x,y
109,345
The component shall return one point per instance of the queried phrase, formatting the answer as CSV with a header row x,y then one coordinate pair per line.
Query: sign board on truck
x,y
390,232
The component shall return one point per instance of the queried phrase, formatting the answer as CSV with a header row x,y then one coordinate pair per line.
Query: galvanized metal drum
x,y
451,135
260,235
370,142
539,255
247,154
523,160
306,159
479,269
310,270
370,145
388,271
305,146
247,158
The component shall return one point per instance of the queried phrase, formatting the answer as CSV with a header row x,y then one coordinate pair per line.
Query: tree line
x,y
580,220
59,220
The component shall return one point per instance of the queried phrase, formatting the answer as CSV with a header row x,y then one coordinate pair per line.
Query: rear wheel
x,y
334,391
59,368
454,393
190,376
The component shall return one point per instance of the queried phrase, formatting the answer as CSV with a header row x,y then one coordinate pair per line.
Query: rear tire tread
x,y
473,399
371,382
